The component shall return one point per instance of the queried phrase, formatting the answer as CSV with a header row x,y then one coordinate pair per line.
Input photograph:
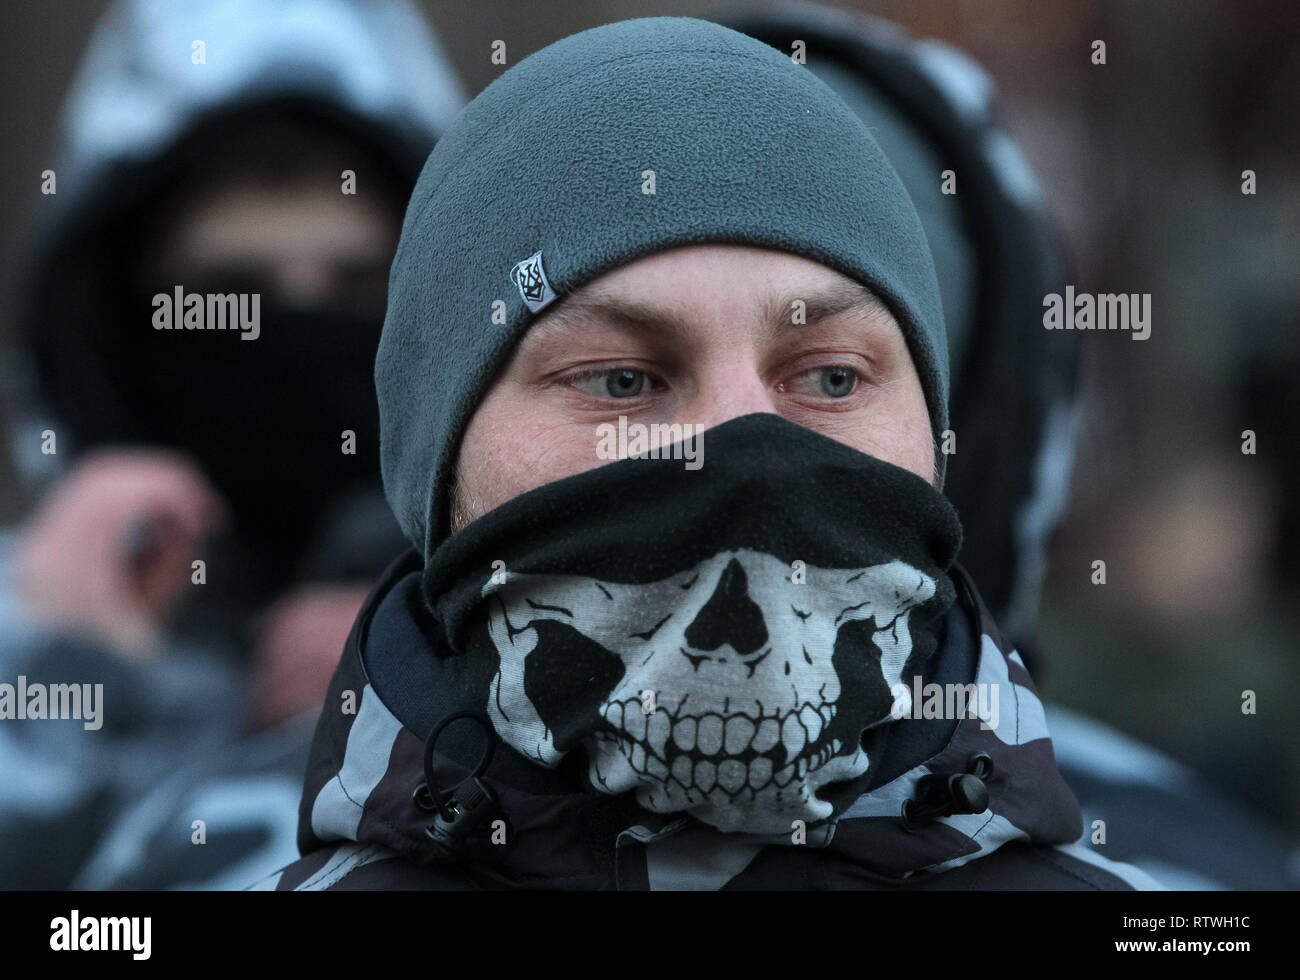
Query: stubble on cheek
x,y
466,505
514,447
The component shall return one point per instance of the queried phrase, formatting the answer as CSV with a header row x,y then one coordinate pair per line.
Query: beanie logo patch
x,y
533,285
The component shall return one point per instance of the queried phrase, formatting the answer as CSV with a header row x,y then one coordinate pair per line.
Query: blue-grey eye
x,y
838,381
624,382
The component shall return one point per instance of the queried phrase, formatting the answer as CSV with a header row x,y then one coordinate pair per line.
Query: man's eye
x,y
615,383
834,381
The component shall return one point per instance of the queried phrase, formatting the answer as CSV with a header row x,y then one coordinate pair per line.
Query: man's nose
x,y
727,394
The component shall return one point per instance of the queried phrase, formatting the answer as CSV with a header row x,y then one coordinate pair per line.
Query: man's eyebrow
x,y
824,302
819,303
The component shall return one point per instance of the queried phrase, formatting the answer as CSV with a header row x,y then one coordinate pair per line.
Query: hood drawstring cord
x,y
939,795
467,806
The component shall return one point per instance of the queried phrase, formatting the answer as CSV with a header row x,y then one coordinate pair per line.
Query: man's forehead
x,y
627,299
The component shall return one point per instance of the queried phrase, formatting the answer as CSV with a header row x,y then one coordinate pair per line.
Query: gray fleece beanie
x,y
536,189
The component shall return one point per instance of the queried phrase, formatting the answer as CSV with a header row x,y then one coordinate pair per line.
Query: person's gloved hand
x,y
110,551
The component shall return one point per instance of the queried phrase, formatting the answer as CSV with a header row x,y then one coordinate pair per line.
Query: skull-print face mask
x,y
726,641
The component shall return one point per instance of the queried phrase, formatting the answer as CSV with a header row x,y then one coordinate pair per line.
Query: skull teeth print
x,y
812,721
792,735
769,733
762,687
738,754
739,734
657,730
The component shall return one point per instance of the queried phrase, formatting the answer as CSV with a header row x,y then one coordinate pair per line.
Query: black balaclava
x,y
262,418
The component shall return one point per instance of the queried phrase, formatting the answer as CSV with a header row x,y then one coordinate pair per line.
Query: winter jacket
x,y
362,826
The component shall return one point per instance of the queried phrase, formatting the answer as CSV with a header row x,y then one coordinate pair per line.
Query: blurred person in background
x,y
275,162
1015,410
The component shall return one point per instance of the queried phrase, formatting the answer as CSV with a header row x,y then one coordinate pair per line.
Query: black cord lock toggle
x,y
939,795
461,811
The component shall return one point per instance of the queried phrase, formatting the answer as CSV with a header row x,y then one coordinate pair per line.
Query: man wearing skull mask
x,y
685,679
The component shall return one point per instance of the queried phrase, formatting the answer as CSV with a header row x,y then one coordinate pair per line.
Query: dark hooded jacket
x,y
142,133
361,826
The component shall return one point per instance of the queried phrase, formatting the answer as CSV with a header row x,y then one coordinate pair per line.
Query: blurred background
x,y
1140,161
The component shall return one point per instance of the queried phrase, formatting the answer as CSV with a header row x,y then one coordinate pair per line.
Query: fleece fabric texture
x,y
746,147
